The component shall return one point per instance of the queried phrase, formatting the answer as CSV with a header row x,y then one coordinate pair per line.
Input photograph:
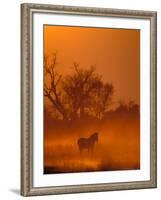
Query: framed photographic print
x,y
88,99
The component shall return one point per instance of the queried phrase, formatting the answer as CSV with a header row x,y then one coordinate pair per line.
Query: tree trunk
x,y
82,111
74,116
60,109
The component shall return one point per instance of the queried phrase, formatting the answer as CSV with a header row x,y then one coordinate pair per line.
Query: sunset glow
x,y
91,95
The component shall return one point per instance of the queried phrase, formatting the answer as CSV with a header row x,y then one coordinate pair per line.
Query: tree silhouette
x,y
102,98
51,82
77,94
79,87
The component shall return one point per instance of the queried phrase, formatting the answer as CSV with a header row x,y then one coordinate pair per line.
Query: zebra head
x,y
94,136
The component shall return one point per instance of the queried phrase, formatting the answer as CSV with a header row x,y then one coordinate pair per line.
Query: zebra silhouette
x,y
88,143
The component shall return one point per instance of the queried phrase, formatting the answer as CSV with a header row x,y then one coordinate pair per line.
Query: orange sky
x,y
115,52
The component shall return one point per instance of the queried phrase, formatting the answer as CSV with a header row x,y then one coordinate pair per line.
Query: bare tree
x,y
79,86
102,98
51,83
76,94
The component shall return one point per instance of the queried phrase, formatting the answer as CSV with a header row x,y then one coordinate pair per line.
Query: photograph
x,y
88,99
91,99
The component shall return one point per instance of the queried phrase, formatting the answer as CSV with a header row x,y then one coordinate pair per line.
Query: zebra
x,y
88,143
